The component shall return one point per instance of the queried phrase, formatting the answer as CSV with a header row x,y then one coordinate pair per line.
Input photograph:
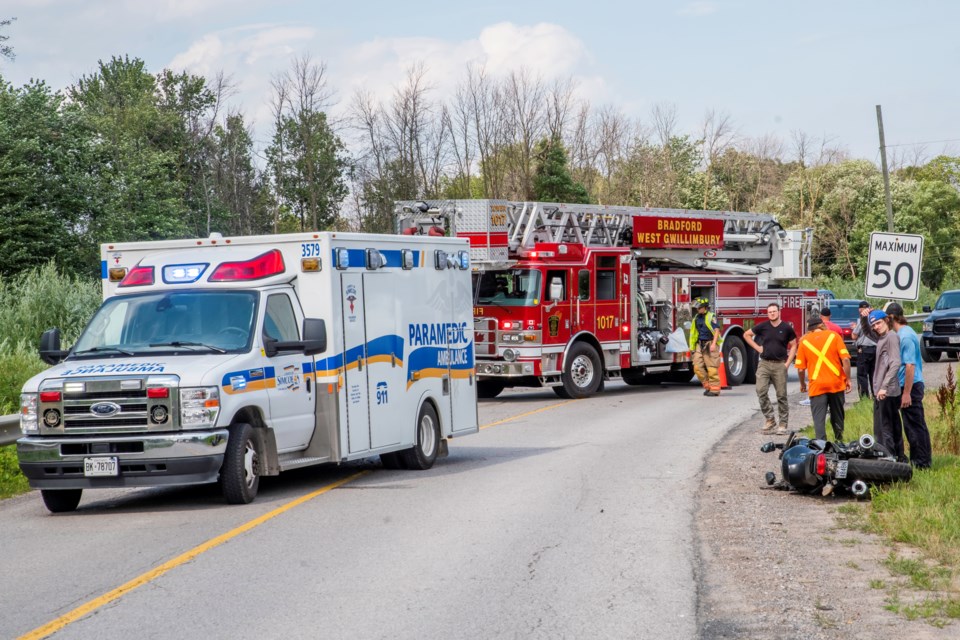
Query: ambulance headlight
x,y
199,407
28,413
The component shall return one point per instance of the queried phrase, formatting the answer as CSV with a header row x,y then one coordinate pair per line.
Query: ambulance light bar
x,y
183,273
138,277
263,266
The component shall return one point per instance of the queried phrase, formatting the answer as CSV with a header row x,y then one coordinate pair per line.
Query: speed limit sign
x,y
893,268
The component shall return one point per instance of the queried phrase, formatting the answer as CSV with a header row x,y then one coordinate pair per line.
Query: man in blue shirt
x,y
910,375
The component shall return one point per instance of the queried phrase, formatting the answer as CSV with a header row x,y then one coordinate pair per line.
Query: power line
x,y
914,144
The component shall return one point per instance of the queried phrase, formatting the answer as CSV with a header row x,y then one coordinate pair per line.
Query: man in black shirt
x,y
777,347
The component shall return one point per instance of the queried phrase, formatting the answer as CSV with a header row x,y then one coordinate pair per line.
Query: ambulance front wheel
x,y
582,372
424,453
61,500
240,472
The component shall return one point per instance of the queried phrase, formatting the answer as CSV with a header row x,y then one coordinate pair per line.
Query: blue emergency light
x,y
183,273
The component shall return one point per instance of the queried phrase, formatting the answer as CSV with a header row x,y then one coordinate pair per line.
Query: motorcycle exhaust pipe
x,y
867,441
859,488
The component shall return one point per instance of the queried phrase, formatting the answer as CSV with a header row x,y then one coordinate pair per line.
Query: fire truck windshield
x,y
218,321
507,288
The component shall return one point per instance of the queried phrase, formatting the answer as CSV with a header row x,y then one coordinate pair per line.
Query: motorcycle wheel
x,y
878,470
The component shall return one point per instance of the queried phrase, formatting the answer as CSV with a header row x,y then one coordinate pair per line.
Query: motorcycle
x,y
809,465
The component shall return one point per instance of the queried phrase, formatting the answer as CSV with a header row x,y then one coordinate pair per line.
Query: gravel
x,y
776,564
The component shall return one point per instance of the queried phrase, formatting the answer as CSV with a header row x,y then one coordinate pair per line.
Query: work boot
x,y
769,426
782,430
712,394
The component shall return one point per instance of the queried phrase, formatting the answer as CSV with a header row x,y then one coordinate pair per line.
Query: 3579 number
x,y
310,250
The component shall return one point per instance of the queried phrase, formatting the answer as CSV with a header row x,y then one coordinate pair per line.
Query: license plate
x,y
954,339
93,467
842,468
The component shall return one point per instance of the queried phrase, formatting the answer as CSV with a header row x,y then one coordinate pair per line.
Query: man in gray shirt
x,y
887,427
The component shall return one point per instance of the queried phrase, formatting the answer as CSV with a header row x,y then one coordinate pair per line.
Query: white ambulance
x,y
227,359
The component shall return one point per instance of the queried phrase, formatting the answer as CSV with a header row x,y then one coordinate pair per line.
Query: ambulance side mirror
x,y
314,340
314,336
50,351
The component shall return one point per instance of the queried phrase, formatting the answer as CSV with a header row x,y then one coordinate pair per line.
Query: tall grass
x,y
30,304
43,298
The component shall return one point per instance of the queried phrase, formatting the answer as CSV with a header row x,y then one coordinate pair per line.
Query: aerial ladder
x,y
501,232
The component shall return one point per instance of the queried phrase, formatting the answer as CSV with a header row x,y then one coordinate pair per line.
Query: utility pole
x,y
886,174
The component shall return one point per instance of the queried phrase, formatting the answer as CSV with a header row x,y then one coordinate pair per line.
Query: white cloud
x,y
547,50
699,9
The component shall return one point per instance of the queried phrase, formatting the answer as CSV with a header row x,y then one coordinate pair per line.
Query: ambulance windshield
x,y
507,288
216,321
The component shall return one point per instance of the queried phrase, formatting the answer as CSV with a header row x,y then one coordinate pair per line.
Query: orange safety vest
x,y
821,354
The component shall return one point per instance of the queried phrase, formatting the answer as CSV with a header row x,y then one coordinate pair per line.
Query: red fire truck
x,y
568,296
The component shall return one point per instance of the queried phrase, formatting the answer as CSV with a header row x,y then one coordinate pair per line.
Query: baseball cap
x,y
875,315
894,309
814,322
864,305
825,311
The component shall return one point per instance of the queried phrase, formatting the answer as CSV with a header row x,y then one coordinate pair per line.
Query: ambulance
x,y
227,359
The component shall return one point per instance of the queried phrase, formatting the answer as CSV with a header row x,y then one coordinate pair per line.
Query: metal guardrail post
x,y
9,429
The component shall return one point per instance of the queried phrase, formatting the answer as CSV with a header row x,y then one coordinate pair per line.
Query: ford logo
x,y
105,409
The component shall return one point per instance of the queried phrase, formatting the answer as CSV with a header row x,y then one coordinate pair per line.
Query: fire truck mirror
x,y
556,289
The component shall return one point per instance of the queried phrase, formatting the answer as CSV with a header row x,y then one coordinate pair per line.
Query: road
x,y
559,519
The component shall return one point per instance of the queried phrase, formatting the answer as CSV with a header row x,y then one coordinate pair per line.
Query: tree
x,y
47,193
6,51
306,158
137,155
552,181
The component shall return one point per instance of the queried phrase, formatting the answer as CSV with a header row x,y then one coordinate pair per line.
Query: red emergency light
x,y
158,392
138,277
49,396
263,266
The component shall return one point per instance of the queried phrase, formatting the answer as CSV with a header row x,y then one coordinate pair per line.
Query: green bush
x,y
12,481
30,304
17,364
42,298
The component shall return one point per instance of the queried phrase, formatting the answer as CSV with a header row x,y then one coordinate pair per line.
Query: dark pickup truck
x,y
941,329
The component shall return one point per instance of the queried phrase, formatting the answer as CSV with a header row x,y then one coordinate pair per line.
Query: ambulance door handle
x,y
309,385
446,385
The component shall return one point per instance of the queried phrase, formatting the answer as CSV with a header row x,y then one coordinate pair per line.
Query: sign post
x,y
893,266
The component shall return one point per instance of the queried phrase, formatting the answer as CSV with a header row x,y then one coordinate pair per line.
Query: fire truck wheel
x,y
489,388
423,454
735,360
61,500
582,372
240,472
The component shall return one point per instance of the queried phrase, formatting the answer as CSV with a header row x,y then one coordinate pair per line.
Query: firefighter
x,y
705,345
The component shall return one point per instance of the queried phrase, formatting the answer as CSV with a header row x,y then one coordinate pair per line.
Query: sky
x,y
775,67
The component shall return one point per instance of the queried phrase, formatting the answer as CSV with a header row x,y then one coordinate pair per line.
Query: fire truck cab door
x,y
558,312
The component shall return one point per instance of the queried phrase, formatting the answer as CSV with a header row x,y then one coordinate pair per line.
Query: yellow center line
x,y
156,572
524,415
88,607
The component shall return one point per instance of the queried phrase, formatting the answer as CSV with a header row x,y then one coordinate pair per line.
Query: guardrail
x,y
9,429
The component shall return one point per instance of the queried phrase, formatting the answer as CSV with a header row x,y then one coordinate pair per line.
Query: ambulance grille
x,y
130,413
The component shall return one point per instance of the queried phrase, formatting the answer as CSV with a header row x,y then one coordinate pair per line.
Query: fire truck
x,y
569,296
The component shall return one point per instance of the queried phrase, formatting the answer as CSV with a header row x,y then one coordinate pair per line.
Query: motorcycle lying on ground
x,y
809,465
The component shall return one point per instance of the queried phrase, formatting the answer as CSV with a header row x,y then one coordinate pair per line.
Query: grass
x,y
12,481
923,514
